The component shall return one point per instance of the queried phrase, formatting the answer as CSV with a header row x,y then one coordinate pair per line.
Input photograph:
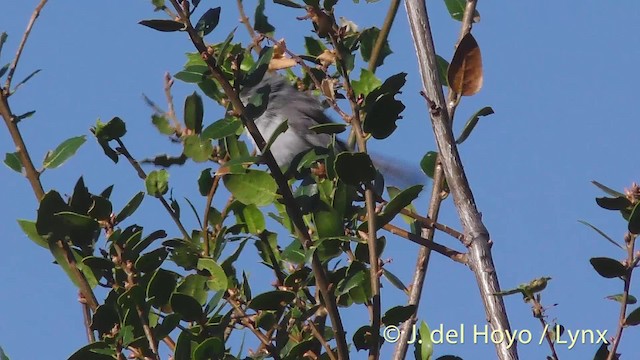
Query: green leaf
x,y
151,261
3,70
314,46
282,127
608,190
130,208
26,79
162,124
619,298
163,25
161,286
261,23
456,10
633,319
367,83
188,307
443,70
95,351
217,278
381,107
289,3
395,205
368,39
424,347
115,128
329,128
472,122
254,187
328,224
354,168
157,183
634,220
26,115
398,314
208,22
618,203
601,233
211,348
29,228
608,268
272,300
159,4
63,152
205,181
428,163
253,218
193,112
222,128
394,280
197,149
12,160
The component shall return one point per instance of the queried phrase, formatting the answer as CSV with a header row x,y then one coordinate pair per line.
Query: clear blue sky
x,y
559,75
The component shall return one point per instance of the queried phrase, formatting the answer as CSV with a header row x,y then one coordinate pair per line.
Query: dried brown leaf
x,y
465,72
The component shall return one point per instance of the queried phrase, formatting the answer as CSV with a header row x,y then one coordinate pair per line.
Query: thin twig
x,y
433,246
249,325
23,42
321,339
422,263
86,314
632,263
245,21
143,175
168,83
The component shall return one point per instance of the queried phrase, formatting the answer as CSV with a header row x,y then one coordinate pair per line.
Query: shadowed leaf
x,y
465,71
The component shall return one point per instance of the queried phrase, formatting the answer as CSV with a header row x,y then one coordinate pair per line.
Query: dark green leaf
x,y
633,319
282,127
157,183
95,351
601,233
368,39
63,152
152,260
115,128
257,71
261,23
12,160
288,3
188,307
26,79
314,46
329,128
211,348
101,208
443,70
193,112
362,338
50,204
398,314
428,163
472,122
394,280
130,208
205,181
272,300
163,25
354,168
26,115
161,286
618,203
208,22
608,268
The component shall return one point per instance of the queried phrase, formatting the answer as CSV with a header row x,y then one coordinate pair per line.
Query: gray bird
x,y
303,111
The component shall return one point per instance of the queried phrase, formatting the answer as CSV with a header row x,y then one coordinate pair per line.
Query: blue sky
x,y
559,75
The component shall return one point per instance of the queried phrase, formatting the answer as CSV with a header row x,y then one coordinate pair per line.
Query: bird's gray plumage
x,y
302,111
